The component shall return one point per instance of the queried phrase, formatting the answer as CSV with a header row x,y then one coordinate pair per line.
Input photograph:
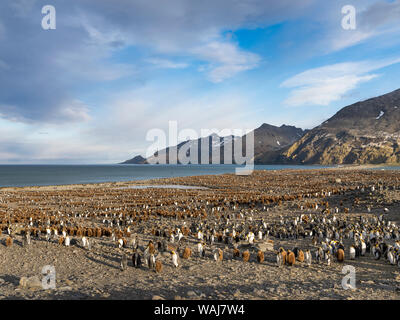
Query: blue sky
x,y
89,91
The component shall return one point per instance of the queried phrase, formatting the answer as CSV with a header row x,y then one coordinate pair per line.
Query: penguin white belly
x,y
175,260
352,253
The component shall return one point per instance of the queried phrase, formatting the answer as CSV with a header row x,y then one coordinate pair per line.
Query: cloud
x,y
61,143
162,104
166,64
189,29
380,14
67,111
226,60
326,91
321,86
42,72
75,111
22,8
350,39
377,18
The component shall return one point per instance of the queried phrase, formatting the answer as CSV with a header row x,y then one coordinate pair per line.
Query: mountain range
x,y
367,132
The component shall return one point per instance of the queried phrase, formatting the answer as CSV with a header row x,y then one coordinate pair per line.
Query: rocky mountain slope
x,y
136,160
267,139
362,133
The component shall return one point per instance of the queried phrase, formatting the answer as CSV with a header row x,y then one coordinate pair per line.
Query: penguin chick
x,y
187,253
290,258
9,241
220,255
246,256
300,256
283,254
260,257
340,255
151,247
158,266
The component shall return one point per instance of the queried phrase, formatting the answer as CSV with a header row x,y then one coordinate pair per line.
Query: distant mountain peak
x,y
136,160
267,138
364,132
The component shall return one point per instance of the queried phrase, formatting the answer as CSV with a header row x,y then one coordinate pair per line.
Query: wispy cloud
x,y
80,52
192,110
377,19
226,60
166,64
321,86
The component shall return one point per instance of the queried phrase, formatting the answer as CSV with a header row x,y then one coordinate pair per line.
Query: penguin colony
x,y
215,222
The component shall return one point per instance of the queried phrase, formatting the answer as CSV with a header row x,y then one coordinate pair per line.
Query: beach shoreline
x,y
146,181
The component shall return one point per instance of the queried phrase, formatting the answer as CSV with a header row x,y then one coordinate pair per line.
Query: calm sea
x,y
42,175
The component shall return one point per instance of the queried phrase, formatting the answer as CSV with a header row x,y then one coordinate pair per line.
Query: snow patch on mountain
x,y
380,115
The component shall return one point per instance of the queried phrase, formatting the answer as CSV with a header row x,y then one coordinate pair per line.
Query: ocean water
x,y
42,175
387,168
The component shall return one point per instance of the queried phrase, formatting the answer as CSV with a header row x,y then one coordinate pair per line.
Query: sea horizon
x,y
29,175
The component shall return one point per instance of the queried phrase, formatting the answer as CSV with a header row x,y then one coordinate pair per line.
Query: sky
x,y
90,90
